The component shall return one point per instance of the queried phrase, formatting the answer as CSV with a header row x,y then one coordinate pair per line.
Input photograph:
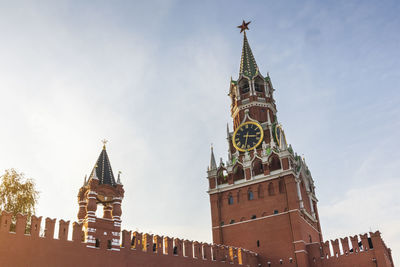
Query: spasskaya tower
x,y
263,197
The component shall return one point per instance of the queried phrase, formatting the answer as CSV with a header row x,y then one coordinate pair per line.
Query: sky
x,y
152,77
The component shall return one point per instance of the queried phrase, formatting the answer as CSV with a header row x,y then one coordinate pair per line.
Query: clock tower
x,y
263,197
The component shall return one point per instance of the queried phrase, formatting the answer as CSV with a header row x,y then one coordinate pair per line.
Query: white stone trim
x,y
244,182
256,219
301,251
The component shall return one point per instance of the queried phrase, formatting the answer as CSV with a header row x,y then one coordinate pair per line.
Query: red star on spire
x,y
244,26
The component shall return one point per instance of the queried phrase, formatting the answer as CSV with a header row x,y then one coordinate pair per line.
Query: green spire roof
x,y
248,65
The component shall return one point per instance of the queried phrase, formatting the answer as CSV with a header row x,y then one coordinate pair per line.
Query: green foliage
x,y
17,194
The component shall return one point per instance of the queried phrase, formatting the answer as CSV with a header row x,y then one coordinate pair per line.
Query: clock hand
x,y
247,136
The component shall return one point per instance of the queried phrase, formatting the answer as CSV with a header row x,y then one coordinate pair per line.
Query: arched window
x,y
238,173
253,217
271,190
250,195
230,199
244,86
232,221
109,244
258,167
259,85
281,186
133,241
260,192
97,244
274,163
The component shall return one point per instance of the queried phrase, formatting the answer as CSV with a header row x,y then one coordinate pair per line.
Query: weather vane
x,y
104,141
244,26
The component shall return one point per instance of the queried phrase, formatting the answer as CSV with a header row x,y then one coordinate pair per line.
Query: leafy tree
x,y
17,194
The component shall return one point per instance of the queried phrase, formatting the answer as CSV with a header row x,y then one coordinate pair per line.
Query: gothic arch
x,y
257,167
259,86
222,175
238,172
274,162
244,87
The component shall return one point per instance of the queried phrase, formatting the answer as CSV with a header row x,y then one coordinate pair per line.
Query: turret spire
x,y
248,65
213,164
102,169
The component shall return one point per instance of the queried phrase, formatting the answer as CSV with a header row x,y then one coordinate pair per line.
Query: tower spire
x,y
248,65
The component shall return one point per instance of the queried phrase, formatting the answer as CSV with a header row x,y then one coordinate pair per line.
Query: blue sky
x,y
153,77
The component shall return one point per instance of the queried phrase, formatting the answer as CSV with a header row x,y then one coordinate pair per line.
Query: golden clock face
x,y
248,136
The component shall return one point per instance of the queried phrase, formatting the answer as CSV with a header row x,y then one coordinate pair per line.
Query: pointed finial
x,y
85,181
119,177
213,164
227,130
104,141
94,173
244,26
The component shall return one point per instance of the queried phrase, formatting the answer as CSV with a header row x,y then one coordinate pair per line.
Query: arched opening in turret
x,y
222,176
259,86
244,87
257,167
133,244
238,173
274,163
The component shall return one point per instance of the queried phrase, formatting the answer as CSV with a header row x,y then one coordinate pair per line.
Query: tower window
x,y
230,199
250,195
109,245
258,87
245,88
276,212
222,223
281,186
253,217
232,221
97,244
271,190
258,243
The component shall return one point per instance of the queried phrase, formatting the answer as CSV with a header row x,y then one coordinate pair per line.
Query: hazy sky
x,y
153,78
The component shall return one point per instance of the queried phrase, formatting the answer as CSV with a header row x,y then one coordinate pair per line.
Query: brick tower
x,y
101,189
263,197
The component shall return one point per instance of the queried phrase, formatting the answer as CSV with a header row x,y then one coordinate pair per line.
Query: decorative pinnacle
x,y
119,177
104,141
244,26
